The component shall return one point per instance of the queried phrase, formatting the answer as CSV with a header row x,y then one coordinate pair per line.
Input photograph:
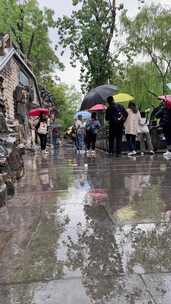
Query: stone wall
x,y
10,74
11,80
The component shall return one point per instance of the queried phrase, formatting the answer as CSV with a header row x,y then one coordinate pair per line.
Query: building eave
x,y
14,53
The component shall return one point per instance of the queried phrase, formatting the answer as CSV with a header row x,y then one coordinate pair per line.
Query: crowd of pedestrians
x,y
86,134
132,122
43,132
129,122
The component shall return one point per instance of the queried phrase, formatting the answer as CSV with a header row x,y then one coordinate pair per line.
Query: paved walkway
x,y
82,231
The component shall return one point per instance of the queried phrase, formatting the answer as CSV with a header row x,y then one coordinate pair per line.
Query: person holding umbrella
x,y
42,130
116,116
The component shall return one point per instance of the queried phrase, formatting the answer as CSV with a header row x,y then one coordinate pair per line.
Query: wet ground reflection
x,y
87,231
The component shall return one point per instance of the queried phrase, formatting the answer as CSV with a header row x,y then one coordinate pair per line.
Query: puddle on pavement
x,y
103,232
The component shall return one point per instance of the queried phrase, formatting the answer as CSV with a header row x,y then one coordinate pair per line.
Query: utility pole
x,y
114,4
114,7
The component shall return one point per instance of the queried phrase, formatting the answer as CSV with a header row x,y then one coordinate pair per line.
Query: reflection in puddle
x,y
97,232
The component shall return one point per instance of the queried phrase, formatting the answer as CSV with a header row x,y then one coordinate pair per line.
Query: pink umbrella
x,y
98,107
38,111
166,99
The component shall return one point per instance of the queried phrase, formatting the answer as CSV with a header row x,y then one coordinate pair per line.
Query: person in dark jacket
x,y
116,116
92,127
42,130
165,122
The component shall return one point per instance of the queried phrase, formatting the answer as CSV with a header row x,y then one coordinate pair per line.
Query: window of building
x,y
23,79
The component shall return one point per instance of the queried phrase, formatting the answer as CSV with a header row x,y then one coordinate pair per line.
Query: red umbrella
x,y
98,107
98,194
166,99
38,111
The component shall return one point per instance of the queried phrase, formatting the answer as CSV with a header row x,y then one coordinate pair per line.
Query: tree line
x,y
134,53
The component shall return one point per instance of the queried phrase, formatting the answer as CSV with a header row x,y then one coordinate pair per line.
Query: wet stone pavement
x,y
88,231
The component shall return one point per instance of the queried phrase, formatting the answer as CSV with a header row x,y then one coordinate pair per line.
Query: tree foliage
x,y
88,33
67,100
29,27
148,34
141,80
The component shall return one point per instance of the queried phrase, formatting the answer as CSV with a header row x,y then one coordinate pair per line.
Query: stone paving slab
x,y
109,290
159,286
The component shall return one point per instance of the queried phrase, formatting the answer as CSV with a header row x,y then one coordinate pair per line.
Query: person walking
x,y
80,134
131,127
42,130
116,116
92,127
144,135
165,122
55,136
33,132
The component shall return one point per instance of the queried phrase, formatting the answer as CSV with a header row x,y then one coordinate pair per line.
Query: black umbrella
x,y
98,95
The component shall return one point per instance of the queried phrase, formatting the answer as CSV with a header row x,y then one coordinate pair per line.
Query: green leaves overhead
x,y
29,26
88,33
149,34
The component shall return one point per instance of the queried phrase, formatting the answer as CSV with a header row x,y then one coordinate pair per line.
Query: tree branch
x,y
30,45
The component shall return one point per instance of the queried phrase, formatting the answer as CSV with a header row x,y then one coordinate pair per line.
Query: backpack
x,y
92,126
55,131
42,128
117,116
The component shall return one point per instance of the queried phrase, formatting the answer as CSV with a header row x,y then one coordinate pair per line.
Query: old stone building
x,y
21,91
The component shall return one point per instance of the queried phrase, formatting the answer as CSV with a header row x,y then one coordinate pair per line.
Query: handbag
x,y
42,128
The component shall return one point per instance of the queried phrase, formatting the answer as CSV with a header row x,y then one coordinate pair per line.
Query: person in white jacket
x,y
144,135
131,127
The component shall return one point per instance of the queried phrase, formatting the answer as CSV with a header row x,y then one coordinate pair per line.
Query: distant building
x,y
20,88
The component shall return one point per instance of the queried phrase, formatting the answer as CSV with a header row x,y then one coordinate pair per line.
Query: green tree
x,y
67,100
140,80
148,34
88,33
29,27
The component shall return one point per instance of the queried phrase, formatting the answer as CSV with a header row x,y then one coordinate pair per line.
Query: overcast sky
x,y
61,7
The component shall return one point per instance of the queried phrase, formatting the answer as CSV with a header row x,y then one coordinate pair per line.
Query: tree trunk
x,y
164,85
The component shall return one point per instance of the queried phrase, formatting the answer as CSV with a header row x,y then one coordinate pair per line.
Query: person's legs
x,y
129,142
169,141
76,142
142,143
133,142
149,143
54,141
119,133
80,141
41,142
33,137
93,142
44,139
167,135
111,139
88,140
